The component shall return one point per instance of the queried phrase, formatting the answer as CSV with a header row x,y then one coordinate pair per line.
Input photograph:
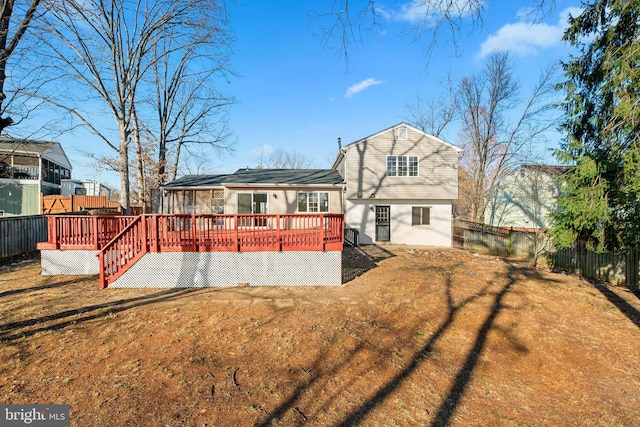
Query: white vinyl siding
x,y
360,216
313,201
366,168
402,165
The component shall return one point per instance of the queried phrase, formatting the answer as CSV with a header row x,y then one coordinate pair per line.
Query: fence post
x,y
510,242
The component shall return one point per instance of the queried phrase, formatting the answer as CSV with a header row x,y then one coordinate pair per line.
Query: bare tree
x,y
15,20
347,22
107,48
436,114
188,107
282,159
492,138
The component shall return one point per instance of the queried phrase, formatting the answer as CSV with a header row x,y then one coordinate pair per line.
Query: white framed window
x,y
420,215
313,201
403,133
402,166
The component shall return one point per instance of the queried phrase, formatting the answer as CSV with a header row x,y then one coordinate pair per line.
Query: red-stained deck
x,y
122,240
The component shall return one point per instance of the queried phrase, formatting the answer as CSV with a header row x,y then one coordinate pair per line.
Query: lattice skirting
x,y
209,269
70,262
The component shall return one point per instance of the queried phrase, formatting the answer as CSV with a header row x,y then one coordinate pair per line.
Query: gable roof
x,y
435,138
262,177
50,150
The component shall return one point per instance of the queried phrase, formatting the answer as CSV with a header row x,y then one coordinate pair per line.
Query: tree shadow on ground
x,y
43,287
450,403
358,260
625,308
86,313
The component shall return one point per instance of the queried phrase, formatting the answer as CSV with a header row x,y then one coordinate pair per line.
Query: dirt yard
x,y
417,337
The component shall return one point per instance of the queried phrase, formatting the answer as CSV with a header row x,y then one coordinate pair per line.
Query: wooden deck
x,y
123,240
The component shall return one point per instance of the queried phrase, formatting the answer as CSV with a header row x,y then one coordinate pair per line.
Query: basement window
x,y
420,215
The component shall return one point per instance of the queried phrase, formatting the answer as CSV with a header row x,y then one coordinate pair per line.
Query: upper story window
x,y
402,165
402,133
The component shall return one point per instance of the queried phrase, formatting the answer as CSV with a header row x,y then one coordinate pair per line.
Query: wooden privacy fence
x,y
622,269
481,237
56,204
20,234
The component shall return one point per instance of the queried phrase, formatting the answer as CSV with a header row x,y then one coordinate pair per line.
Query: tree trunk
x,y
124,175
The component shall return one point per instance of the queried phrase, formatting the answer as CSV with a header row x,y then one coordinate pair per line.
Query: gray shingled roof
x,y
10,144
262,177
198,181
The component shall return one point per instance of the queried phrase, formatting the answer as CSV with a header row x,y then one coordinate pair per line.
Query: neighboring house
x,y
526,198
84,187
400,184
394,186
256,191
27,170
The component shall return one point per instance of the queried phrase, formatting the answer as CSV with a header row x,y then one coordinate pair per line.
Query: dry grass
x,y
438,337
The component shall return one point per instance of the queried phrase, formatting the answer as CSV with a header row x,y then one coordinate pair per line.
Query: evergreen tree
x,y
601,205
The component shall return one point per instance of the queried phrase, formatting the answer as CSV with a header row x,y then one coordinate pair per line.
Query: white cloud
x,y
527,38
359,87
425,11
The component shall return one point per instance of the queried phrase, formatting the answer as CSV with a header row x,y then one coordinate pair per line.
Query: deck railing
x,y
122,240
83,232
202,232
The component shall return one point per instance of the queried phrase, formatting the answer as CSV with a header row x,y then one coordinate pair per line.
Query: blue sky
x,y
296,94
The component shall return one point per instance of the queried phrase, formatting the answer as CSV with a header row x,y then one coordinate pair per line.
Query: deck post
x,y
143,220
194,233
154,233
103,279
278,238
96,233
53,225
235,233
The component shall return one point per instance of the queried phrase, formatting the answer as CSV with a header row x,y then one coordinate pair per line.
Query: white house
x,y
394,186
400,185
